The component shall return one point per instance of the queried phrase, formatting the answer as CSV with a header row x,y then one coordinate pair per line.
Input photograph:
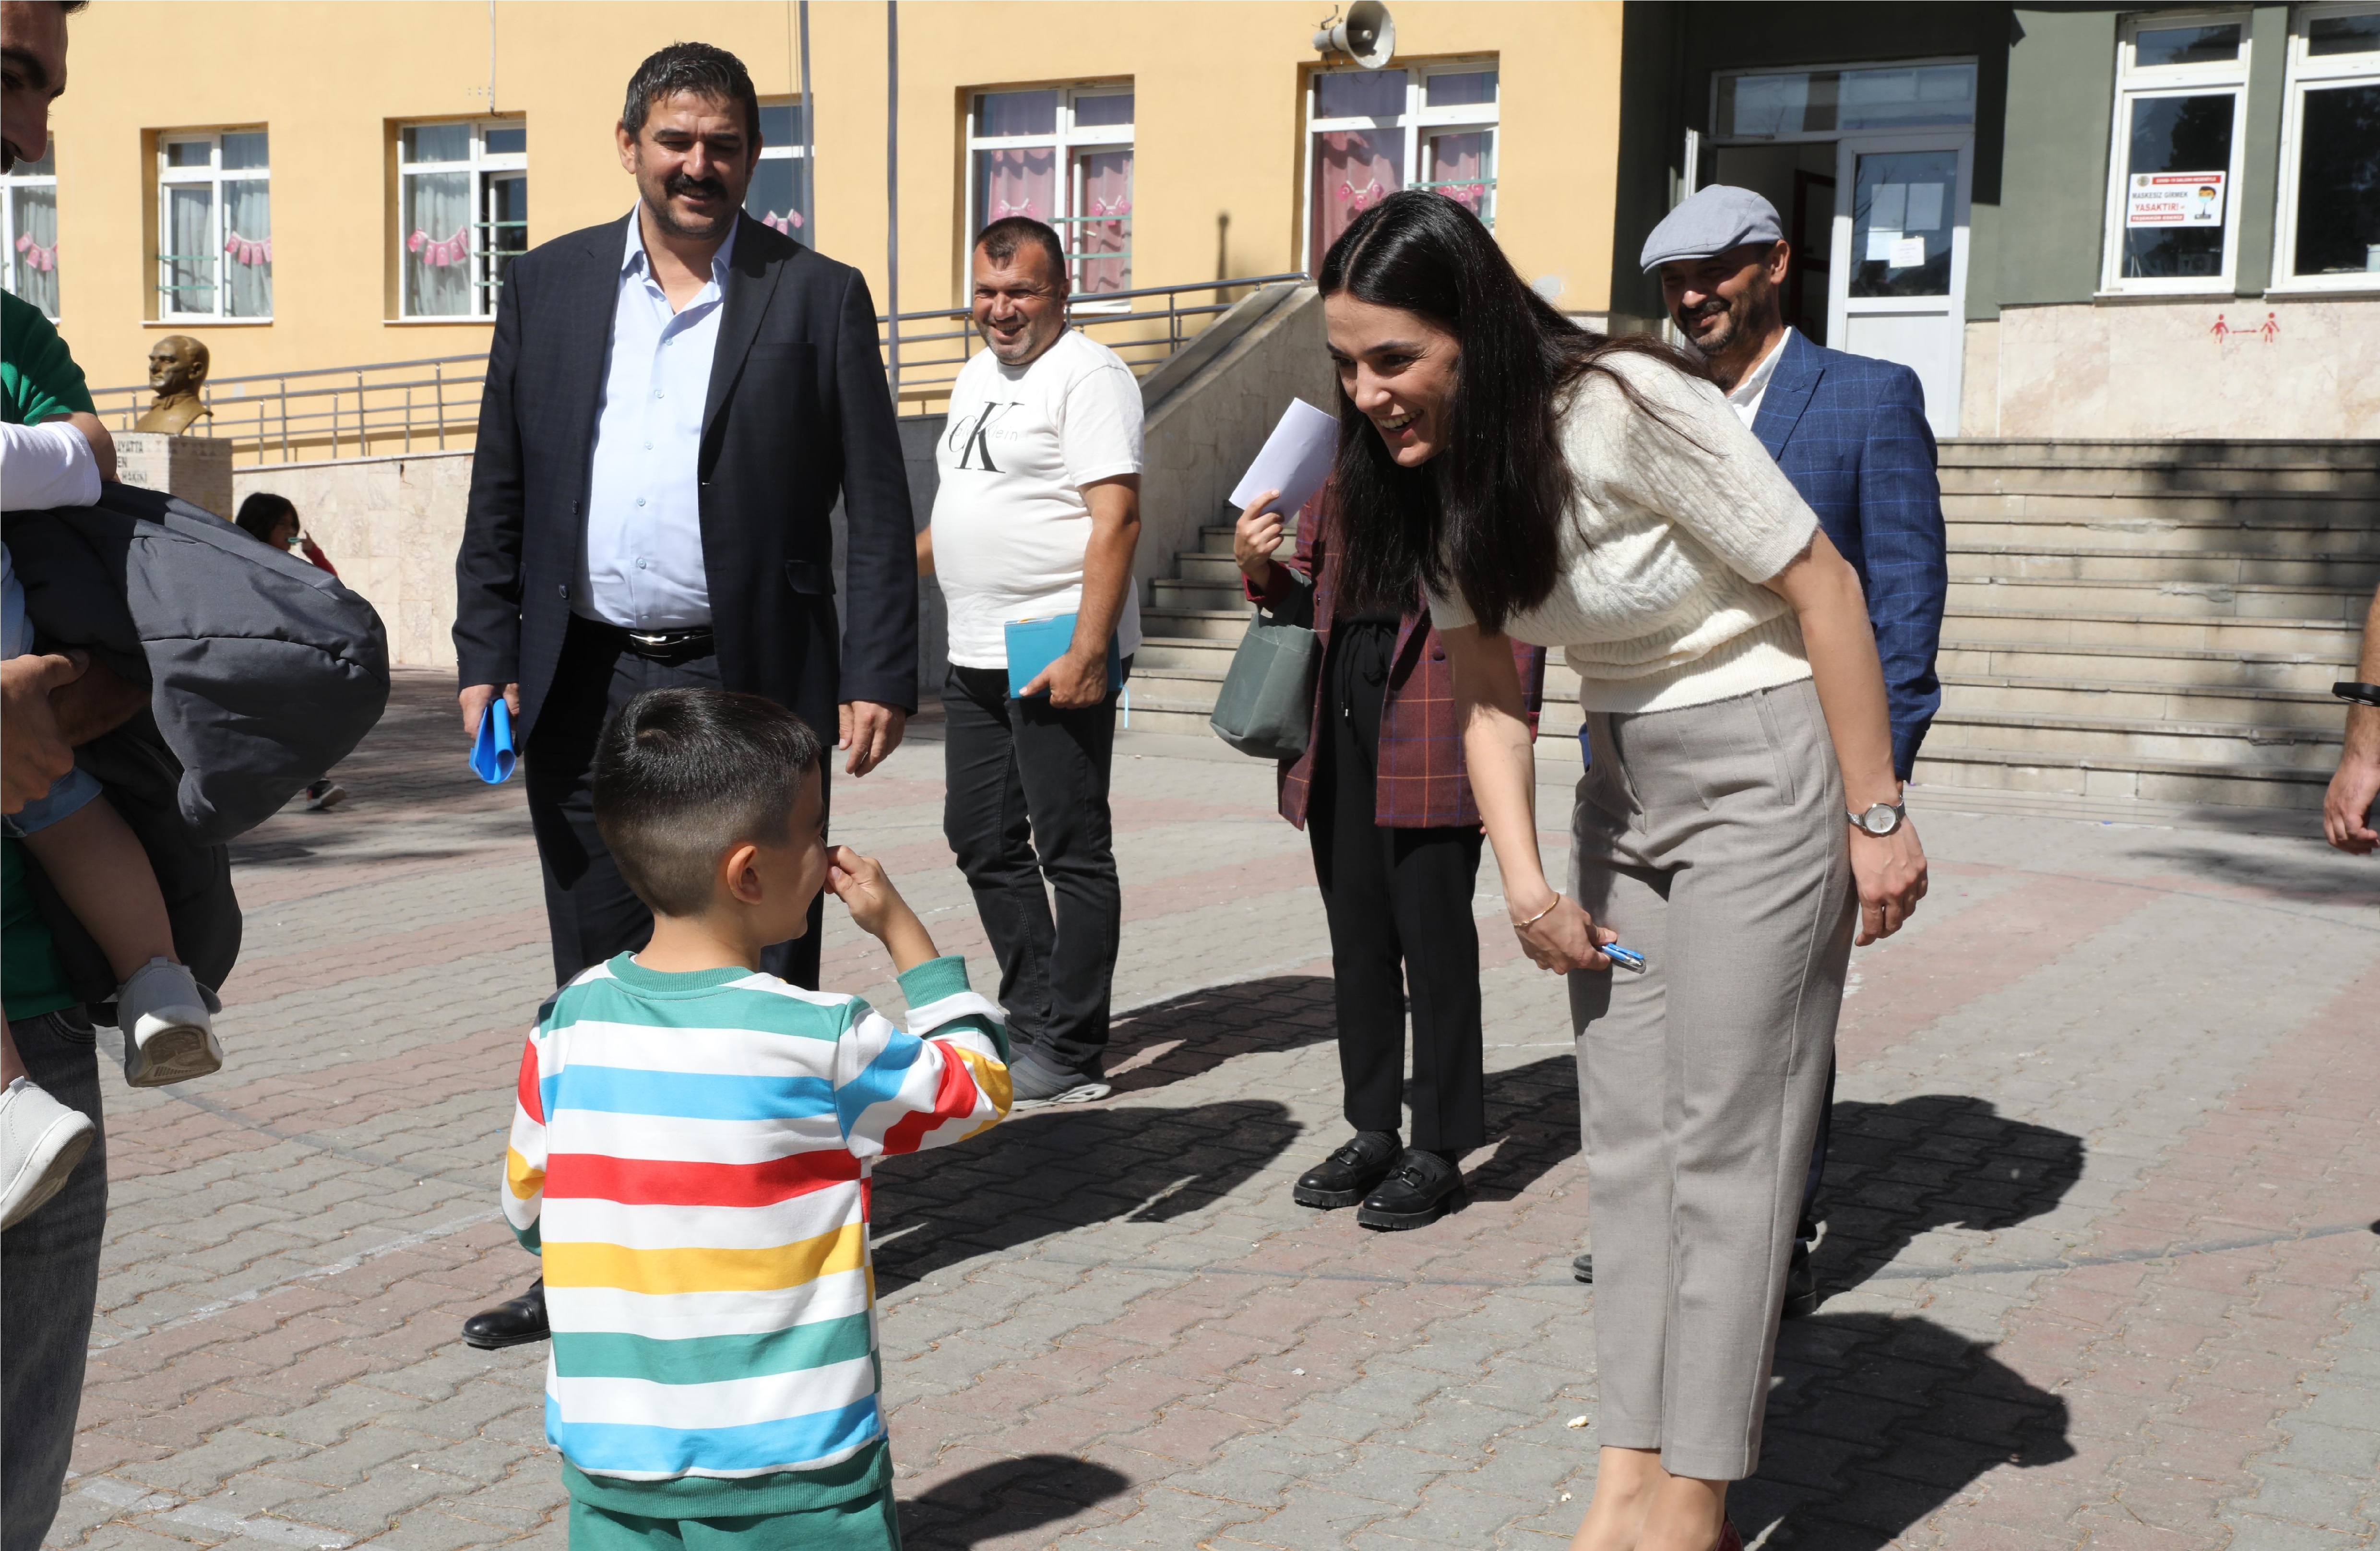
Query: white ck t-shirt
x,y
1010,523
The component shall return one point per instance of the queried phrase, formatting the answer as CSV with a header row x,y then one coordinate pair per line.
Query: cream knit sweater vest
x,y
1658,601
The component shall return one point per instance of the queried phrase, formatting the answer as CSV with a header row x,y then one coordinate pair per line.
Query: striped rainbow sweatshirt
x,y
690,1155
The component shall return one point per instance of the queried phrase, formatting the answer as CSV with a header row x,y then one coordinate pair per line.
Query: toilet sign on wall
x,y
2174,199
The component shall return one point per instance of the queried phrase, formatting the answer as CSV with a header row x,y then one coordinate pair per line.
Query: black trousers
x,y
1399,904
1027,799
590,911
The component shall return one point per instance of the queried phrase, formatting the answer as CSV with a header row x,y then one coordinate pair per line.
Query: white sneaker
x,y
41,1142
169,1035
328,798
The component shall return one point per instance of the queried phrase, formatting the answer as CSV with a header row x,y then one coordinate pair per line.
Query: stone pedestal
x,y
196,468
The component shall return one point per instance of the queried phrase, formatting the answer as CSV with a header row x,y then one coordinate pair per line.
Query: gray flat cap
x,y
1715,220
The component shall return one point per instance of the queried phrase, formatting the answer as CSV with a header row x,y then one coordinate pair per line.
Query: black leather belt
x,y
669,646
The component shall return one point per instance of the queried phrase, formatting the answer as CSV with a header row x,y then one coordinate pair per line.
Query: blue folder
x,y
1033,644
492,751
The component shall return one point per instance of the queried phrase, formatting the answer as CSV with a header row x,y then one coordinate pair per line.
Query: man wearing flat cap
x,y
1850,433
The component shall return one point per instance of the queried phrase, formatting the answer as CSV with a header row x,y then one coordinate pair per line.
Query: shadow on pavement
x,y
1877,1420
1895,1172
2311,873
1050,1172
1532,1118
1192,1033
1006,1497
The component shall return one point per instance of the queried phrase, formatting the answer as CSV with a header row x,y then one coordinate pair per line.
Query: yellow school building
x,y
306,185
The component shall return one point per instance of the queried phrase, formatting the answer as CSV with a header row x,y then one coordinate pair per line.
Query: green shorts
x,y
868,1524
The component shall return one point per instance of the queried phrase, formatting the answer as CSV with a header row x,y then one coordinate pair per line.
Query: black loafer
x,y
1348,1175
1422,1188
516,1323
1801,1284
1582,1268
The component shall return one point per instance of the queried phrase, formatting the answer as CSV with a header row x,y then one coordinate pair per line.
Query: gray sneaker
x,y
1033,1083
41,1142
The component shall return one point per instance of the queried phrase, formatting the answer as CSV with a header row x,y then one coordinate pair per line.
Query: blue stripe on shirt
x,y
685,1095
616,1448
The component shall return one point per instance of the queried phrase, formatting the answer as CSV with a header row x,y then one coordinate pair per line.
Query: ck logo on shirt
x,y
973,439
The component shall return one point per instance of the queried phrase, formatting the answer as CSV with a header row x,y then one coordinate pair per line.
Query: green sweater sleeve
x,y
38,380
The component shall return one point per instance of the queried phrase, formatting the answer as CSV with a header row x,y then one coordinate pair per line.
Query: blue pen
x,y
1626,958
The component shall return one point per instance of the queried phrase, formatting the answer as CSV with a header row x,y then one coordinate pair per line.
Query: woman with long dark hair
x,y
1559,487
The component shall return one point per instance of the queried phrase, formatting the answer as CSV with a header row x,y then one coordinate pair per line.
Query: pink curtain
x,y
1460,170
1017,181
1354,170
1104,221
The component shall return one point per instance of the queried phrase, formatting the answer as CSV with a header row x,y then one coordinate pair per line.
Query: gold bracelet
x,y
1540,914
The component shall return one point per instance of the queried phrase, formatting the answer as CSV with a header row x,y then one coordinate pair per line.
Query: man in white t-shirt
x,y
1037,517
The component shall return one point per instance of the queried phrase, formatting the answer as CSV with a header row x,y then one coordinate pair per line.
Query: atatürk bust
x,y
178,365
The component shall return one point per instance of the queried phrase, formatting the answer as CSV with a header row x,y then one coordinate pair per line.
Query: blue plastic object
x,y
1033,644
1626,958
492,751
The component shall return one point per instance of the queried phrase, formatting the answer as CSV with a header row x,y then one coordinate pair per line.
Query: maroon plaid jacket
x,y
1422,784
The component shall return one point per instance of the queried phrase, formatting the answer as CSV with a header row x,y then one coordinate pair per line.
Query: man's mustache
x,y
681,184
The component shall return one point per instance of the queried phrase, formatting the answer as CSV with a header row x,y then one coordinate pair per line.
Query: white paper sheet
x,y
1879,243
1907,253
1294,461
1925,207
1890,205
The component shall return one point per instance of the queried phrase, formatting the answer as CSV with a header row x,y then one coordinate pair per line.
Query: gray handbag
x,y
1266,708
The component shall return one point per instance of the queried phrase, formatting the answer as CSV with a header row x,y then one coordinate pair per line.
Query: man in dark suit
x,y
673,403
1850,433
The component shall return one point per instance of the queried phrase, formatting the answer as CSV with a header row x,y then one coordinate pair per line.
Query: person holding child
x,y
691,1145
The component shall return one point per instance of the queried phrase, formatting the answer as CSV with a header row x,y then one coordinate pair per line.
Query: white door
x,y
1897,285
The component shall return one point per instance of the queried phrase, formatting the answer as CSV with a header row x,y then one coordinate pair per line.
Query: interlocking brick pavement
x,y
2097,1251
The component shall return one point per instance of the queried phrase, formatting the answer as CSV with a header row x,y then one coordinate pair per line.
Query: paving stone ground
x,y
2099,1248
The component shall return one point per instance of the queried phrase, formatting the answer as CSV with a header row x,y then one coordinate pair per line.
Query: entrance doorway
x,y
1897,285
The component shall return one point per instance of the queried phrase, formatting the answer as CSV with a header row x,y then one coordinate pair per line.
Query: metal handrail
x,y
433,404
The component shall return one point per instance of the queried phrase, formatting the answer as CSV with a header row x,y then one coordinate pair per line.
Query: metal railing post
x,y
363,420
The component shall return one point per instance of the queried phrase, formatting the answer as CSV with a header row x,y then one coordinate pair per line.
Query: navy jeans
x,y
49,1282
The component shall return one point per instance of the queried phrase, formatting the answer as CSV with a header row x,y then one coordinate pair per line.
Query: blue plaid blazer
x,y
1850,433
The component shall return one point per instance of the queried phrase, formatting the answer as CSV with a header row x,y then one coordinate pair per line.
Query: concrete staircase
x,y
2159,622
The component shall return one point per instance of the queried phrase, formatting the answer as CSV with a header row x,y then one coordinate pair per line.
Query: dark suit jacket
x,y
798,413
1850,433
1422,783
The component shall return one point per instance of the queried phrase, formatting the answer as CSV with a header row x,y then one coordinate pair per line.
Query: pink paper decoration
x,y
785,222
1368,195
36,256
439,252
248,251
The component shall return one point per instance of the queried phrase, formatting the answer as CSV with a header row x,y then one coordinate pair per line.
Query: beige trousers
x,y
1712,839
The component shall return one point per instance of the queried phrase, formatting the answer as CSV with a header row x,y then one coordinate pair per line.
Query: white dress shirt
x,y
1754,386
46,466
641,564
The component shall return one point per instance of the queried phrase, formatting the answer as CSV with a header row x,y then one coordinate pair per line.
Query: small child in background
x,y
691,1146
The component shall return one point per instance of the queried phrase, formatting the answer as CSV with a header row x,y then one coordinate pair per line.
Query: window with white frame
x,y
1372,132
214,225
781,181
29,227
1062,155
2329,217
2174,174
462,214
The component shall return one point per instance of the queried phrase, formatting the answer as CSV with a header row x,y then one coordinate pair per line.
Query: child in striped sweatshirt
x,y
691,1145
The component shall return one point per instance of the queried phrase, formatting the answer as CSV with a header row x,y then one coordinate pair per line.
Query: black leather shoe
x,y
1422,1188
1348,1175
1801,1284
1583,1267
517,1323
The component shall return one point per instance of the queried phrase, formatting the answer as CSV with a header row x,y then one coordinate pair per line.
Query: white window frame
x,y
1418,121
2134,84
482,163
1064,140
790,152
171,307
1802,137
10,181
2307,71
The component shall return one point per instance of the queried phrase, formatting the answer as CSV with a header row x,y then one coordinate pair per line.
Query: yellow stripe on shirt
x,y
707,1270
519,1178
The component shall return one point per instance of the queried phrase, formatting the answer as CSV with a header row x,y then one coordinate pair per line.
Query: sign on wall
x,y
2175,199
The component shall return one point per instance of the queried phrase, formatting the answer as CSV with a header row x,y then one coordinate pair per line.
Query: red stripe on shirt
x,y
532,1103
956,1097
639,1182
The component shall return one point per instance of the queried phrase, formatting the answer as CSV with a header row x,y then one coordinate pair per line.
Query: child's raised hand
x,y
877,907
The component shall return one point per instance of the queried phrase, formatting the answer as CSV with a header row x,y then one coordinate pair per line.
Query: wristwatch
x,y
1880,818
2348,689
